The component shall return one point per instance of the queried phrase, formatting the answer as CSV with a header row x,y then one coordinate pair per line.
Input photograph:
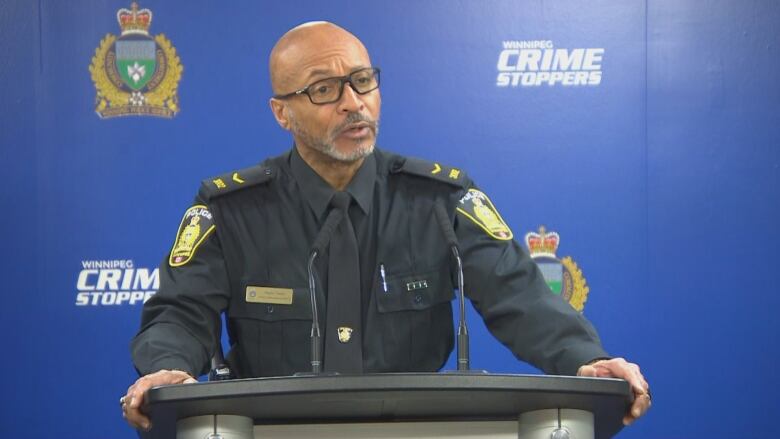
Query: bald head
x,y
295,54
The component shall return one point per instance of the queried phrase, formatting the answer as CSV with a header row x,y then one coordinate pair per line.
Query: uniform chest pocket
x,y
413,324
270,330
414,291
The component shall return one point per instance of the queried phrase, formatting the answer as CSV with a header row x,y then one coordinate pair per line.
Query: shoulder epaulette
x,y
233,181
432,170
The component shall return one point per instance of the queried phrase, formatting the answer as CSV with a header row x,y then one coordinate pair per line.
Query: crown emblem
x,y
563,276
135,73
543,243
133,20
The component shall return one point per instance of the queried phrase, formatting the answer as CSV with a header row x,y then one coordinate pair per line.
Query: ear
x,y
278,109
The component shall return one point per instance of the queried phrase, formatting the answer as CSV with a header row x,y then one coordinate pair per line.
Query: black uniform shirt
x,y
318,194
251,231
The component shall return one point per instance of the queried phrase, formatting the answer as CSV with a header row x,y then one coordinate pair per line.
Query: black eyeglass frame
x,y
342,81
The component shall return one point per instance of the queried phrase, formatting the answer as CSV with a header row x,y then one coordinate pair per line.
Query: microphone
x,y
219,371
463,333
331,222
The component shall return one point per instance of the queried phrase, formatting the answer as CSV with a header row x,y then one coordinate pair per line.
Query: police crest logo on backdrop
x,y
136,73
563,276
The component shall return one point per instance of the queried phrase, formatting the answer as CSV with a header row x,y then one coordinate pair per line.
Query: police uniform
x,y
243,248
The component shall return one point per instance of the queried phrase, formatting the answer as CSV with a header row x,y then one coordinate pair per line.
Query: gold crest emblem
x,y
563,276
195,227
136,73
477,207
345,334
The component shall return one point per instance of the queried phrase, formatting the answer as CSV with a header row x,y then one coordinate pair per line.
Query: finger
x,y
645,384
641,405
604,372
620,368
587,371
159,378
133,401
603,368
633,370
137,419
639,383
136,393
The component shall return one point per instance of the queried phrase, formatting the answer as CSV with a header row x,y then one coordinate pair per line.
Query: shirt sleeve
x,y
508,290
181,323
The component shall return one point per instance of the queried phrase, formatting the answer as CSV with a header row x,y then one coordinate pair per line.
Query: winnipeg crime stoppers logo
x,y
135,73
537,63
115,282
562,275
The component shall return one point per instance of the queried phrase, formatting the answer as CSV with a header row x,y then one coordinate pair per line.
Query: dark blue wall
x,y
662,180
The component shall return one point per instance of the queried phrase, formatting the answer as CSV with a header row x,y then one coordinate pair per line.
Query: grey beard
x,y
327,146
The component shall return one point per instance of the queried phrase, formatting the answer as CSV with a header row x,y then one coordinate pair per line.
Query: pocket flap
x,y
415,291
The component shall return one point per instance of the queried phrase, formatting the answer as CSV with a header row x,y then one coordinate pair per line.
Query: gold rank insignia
x,y
478,208
195,227
345,334
563,276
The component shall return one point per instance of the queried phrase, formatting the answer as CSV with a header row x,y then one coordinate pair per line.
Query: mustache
x,y
356,117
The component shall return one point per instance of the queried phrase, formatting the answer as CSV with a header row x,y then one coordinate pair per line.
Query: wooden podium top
x,y
389,397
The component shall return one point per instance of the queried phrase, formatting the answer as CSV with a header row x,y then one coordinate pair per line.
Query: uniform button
x,y
269,309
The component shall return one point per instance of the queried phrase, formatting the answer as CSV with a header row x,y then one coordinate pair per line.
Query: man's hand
x,y
620,368
132,401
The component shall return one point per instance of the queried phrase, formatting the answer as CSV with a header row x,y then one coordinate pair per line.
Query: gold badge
x,y
136,73
562,275
345,334
476,206
279,296
196,225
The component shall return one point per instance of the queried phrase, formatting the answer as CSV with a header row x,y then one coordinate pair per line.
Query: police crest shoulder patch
x,y
196,226
563,276
136,73
478,208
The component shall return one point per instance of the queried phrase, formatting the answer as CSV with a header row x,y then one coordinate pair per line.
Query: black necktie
x,y
343,329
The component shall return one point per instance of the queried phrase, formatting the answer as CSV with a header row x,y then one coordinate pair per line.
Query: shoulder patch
x,y
433,170
478,208
195,227
232,181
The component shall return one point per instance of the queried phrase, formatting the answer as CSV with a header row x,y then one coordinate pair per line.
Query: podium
x,y
407,405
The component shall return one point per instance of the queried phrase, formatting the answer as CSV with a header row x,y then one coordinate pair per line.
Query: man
x,y
392,311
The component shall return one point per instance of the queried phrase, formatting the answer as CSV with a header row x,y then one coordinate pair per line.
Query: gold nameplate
x,y
279,296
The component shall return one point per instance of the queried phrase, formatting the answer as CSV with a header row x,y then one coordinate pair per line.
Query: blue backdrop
x,y
660,171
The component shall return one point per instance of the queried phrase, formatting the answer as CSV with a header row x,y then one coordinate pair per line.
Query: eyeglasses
x,y
329,90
